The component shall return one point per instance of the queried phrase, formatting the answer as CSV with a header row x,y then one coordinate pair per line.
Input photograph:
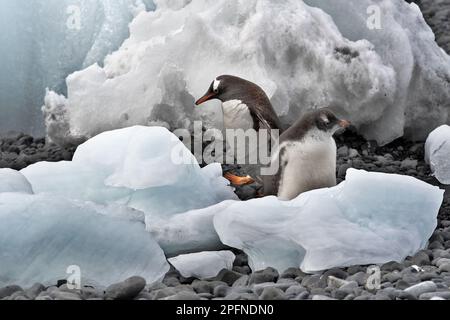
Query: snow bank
x,y
203,265
387,81
437,153
371,218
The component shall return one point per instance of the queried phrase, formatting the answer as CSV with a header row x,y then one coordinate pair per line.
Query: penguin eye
x,y
216,90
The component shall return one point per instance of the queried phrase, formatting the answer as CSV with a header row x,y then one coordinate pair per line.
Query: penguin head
x,y
325,120
226,87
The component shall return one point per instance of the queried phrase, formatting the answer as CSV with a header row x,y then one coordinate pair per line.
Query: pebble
x,y
421,288
267,275
319,298
126,290
430,295
183,296
271,293
227,276
421,259
221,291
292,273
392,266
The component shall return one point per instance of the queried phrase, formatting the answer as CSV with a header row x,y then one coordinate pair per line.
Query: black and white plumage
x,y
306,156
245,106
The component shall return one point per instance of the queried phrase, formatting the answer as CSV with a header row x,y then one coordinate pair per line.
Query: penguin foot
x,y
238,181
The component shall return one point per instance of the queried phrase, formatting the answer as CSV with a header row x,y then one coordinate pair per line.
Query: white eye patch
x,y
324,118
216,85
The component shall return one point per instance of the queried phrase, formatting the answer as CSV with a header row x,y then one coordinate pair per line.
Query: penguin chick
x,y
306,156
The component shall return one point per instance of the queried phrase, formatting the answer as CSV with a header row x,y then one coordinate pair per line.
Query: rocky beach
x,y
424,276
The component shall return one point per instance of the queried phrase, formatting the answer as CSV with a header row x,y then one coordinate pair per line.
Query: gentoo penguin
x,y
306,156
245,106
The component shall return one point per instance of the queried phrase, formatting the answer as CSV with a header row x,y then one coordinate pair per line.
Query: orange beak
x,y
344,123
206,97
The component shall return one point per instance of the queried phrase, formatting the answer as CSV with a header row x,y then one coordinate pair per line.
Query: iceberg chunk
x,y
203,265
391,78
437,153
43,236
148,169
14,181
370,218
48,40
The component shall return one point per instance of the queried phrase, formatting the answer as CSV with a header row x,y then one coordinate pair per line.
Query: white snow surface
x,y
437,153
371,218
305,54
41,236
203,265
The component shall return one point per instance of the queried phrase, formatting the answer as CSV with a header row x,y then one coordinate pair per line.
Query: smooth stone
x,y
392,266
320,298
184,296
221,291
406,296
445,267
64,295
336,283
360,277
421,259
302,296
312,281
292,273
227,276
429,295
241,282
392,277
421,288
234,296
263,276
271,294
126,290
163,293
295,291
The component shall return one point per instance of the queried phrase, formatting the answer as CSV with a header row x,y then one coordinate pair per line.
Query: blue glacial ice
x,y
371,218
42,236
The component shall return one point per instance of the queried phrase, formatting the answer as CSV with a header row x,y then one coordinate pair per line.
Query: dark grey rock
x,y
227,276
271,293
221,291
430,295
392,277
267,275
421,259
424,287
293,273
312,281
302,296
241,282
360,277
163,293
126,290
184,296
295,291
392,266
